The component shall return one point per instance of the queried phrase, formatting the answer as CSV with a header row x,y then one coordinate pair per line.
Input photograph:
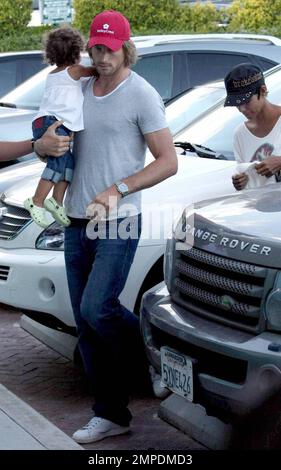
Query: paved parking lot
x,y
54,387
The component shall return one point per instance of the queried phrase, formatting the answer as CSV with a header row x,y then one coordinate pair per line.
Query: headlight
x,y
273,310
168,262
52,238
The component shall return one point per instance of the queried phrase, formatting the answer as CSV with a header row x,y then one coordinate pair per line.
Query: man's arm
x,y
160,143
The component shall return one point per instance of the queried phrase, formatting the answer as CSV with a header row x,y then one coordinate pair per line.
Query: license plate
x,y
176,372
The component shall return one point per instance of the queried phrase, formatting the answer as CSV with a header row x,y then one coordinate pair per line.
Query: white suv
x,y
32,271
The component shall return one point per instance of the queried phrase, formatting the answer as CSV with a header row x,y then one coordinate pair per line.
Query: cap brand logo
x,y
247,81
105,29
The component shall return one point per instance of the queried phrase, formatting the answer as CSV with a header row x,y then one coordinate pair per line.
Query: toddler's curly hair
x,y
63,46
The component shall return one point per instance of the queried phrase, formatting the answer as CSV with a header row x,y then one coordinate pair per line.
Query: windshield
x,y
28,95
216,129
184,110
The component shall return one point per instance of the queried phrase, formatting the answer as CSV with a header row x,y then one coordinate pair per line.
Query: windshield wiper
x,y
8,105
202,152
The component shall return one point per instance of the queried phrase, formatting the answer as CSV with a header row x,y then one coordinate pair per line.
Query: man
x,y
123,115
259,138
50,143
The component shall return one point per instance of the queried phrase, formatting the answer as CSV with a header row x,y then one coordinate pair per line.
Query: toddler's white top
x,y
63,98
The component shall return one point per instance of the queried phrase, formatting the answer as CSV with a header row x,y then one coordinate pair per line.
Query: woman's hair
x,y
63,46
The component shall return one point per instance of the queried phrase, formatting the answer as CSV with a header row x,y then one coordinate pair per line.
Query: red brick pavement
x,y
54,387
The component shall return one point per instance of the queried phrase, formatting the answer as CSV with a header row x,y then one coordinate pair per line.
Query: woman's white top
x,y
63,98
250,150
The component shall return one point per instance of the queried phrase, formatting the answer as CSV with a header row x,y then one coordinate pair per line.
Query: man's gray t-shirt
x,y
112,146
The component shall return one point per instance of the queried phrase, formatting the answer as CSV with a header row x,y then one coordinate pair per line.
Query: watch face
x,y
123,187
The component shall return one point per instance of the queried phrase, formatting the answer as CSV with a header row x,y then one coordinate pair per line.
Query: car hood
x,y
162,204
255,213
14,179
16,123
190,180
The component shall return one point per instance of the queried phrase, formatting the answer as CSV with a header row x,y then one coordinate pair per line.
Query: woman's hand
x,y
269,166
240,181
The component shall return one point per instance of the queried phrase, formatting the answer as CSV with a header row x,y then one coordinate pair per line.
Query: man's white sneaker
x,y
159,389
97,429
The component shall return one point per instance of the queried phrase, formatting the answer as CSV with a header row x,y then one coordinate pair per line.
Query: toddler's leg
x,y
42,191
54,204
59,191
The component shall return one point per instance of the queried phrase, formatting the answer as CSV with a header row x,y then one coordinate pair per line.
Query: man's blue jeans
x,y
109,335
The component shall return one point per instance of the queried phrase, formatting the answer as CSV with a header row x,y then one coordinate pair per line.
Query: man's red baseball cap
x,y
109,28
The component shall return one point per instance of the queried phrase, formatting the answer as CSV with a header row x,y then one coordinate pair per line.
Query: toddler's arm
x,y
78,71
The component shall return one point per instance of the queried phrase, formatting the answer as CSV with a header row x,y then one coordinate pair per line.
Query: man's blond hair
x,y
130,53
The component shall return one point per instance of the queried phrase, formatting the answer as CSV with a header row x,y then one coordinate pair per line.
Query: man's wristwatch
x,y
122,188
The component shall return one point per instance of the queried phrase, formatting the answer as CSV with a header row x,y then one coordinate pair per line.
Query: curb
x,y
23,428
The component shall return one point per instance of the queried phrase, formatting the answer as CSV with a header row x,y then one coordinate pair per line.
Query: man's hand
x,y
269,166
239,181
51,143
102,205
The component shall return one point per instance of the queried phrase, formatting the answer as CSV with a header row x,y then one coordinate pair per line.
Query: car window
x,y
30,66
265,64
158,71
212,66
8,76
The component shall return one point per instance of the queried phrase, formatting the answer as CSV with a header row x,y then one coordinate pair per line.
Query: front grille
x,y
219,288
4,273
13,220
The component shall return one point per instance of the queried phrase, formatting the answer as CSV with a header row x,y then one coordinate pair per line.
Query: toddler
x,y
62,100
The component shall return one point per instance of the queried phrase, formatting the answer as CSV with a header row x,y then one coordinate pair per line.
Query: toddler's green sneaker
x,y
57,211
37,213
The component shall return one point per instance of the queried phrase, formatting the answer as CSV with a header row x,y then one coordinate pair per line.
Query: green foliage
x,y
144,16
152,17
28,39
200,18
14,15
257,16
